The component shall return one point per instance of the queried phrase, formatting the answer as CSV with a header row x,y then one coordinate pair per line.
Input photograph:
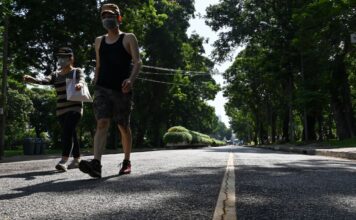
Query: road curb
x,y
339,153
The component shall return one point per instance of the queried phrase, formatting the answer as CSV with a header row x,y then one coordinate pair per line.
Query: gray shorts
x,y
113,104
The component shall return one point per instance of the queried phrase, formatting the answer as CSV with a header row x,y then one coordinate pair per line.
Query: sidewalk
x,y
314,149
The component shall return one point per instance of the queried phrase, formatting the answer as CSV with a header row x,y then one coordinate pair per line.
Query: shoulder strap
x,y
74,73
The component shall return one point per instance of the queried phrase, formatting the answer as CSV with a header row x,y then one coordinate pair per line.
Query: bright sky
x,y
198,25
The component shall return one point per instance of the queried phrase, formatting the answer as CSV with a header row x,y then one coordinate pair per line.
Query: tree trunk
x,y
321,127
311,120
286,125
341,100
273,125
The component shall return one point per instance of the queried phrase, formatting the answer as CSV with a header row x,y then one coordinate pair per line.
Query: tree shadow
x,y
197,187
306,189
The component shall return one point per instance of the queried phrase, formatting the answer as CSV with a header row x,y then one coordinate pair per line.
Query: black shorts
x,y
113,104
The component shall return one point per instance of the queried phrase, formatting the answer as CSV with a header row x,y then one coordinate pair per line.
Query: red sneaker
x,y
125,167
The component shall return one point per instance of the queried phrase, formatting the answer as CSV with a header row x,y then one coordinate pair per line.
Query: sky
x,y
198,25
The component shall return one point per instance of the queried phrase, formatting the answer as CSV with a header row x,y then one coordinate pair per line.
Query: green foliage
x,y
177,137
293,75
179,134
19,108
160,26
30,133
44,102
178,129
341,143
216,143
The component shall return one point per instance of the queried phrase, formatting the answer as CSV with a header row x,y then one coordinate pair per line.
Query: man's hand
x,y
126,86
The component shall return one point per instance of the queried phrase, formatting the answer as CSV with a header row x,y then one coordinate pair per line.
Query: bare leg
x,y
126,140
102,127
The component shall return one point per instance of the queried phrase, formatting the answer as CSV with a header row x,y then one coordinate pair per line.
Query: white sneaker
x,y
74,164
61,166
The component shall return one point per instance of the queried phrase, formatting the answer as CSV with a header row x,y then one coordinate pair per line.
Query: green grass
x,y
11,153
341,143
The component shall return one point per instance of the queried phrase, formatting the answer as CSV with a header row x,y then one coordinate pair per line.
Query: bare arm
x,y
46,81
133,50
97,58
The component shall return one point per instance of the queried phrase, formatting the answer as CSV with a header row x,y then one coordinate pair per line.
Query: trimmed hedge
x,y
179,134
177,137
178,129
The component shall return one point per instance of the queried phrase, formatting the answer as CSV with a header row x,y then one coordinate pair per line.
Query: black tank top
x,y
115,64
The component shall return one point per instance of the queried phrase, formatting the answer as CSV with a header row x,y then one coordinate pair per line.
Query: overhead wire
x,y
174,70
173,74
169,72
161,82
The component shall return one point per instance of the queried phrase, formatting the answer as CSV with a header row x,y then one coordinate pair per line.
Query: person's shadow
x,y
51,186
31,175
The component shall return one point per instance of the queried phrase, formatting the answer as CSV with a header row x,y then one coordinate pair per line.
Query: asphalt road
x,y
275,185
183,184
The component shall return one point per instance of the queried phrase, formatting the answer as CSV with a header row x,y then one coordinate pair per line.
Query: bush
x,y
179,134
199,138
178,129
177,137
45,137
218,143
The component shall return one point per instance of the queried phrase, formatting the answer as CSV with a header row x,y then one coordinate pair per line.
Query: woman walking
x,y
68,112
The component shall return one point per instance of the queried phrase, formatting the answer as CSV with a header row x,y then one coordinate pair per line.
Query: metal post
x,y
4,87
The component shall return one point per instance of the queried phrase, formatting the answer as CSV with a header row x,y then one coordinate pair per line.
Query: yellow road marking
x,y
225,207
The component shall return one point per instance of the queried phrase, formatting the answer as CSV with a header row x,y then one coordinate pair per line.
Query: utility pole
x,y
4,87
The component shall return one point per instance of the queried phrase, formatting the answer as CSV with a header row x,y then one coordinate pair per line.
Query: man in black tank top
x,y
114,79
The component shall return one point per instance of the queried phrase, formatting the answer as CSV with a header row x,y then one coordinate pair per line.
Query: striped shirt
x,y
59,83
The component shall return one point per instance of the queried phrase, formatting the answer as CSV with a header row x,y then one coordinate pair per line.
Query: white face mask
x,y
63,62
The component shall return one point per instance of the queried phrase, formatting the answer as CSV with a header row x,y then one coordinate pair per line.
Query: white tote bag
x,y
82,95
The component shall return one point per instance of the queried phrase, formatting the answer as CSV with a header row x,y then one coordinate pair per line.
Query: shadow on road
x,y
301,189
193,189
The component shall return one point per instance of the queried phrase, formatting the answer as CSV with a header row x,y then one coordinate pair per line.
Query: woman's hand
x,y
28,78
78,86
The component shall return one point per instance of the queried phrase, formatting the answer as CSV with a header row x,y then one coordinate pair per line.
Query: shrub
x,y
178,129
217,142
177,137
199,138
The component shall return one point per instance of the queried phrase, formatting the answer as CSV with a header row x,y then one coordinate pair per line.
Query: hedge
x,y
179,134
177,137
178,129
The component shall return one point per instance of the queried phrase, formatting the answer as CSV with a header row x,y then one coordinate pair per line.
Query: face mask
x,y
63,62
110,23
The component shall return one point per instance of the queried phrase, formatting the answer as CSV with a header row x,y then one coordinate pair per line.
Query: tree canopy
x,y
162,99
292,81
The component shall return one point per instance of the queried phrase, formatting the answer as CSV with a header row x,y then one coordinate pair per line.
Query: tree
x,y
18,113
303,65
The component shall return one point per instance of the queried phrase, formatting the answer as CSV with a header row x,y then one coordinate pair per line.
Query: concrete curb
x,y
345,153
